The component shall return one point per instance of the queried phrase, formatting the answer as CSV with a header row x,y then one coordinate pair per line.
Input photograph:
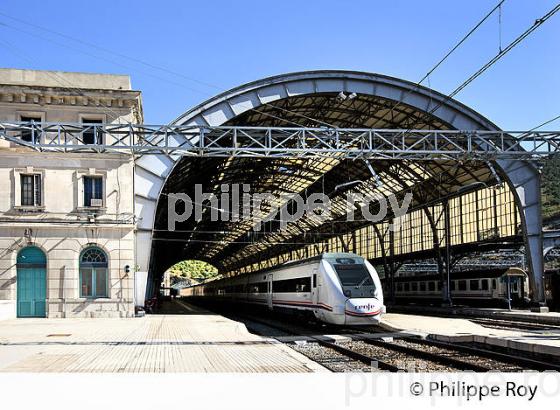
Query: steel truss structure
x,y
286,144
278,142
331,132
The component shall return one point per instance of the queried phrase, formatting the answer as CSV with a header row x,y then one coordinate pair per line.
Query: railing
x,y
225,141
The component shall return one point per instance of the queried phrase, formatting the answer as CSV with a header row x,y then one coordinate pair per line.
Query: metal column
x,y
525,182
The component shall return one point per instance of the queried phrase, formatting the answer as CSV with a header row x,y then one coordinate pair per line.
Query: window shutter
x,y
98,188
24,197
88,186
37,190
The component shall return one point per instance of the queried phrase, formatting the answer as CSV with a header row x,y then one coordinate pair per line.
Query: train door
x,y
314,288
515,288
269,290
316,294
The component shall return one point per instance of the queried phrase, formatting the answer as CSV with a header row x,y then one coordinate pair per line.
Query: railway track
x,y
362,352
517,360
447,356
524,363
332,355
403,354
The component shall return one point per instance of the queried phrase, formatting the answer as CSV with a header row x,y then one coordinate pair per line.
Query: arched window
x,y
93,273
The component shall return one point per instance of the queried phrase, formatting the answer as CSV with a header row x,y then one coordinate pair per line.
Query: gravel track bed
x,y
338,362
401,360
495,365
331,359
325,356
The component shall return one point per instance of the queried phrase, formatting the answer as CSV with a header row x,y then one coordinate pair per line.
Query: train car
x,y
487,287
335,288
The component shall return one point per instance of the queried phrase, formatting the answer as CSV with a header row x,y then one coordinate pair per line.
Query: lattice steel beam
x,y
239,141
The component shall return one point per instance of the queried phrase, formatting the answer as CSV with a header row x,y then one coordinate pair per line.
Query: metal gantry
x,y
243,141
470,151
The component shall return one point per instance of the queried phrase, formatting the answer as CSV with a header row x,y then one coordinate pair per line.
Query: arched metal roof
x,y
306,99
221,108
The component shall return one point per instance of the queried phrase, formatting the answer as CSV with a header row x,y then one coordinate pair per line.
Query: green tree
x,y
551,187
197,271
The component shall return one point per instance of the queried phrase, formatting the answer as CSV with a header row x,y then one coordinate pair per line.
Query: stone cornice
x,y
68,96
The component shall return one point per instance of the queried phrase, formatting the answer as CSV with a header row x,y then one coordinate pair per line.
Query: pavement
x,y
550,318
188,340
185,338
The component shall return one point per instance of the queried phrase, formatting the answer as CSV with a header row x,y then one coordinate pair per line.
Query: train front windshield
x,y
354,277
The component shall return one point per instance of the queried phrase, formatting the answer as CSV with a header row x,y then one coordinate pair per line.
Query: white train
x,y
336,288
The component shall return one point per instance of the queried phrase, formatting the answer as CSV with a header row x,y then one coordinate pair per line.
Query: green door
x,y
31,283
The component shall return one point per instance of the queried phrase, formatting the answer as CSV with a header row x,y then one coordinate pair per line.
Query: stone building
x,y
66,220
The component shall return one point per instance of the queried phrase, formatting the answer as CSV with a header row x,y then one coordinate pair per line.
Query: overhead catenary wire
x,y
460,42
72,88
294,112
106,50
550,121
501,53
156,67
492,61
545,123
245,242
150,65
96,56
452,50
65,84
538,22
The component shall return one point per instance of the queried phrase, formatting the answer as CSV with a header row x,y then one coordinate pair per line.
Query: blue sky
x,y
216,45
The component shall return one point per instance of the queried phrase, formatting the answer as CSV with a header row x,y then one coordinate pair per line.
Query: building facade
x,y
66,220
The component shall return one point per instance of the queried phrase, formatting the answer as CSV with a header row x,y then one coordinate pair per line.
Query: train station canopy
x,y
319,99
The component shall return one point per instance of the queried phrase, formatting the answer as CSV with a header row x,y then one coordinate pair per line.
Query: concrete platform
x,y
194,341
545,342
548,318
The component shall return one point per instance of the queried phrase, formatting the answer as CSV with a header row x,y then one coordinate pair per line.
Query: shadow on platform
x,y
179,307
